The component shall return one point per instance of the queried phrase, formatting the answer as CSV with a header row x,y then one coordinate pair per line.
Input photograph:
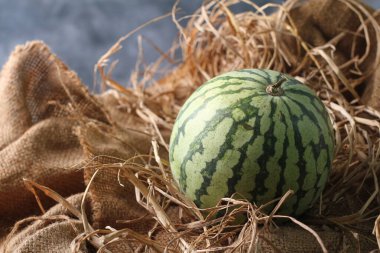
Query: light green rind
x,y
224,143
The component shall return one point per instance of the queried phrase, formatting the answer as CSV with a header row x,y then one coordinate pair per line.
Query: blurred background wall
x,y
80,32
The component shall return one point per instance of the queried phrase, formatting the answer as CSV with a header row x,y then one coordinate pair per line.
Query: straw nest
x,y
215,41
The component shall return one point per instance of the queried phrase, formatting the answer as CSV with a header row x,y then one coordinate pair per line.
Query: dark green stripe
x,y
313,98
323,112
196,145
282,160
321,145
210,167
268,76
202,92
226,78
255,72
301,163
204,105
316,147
269,151
237,169
293,82
314,119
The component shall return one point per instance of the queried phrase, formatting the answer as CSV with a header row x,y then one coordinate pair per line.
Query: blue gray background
x,y
81,31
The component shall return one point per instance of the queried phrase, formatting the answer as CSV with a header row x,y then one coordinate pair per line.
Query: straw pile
x,y
130,202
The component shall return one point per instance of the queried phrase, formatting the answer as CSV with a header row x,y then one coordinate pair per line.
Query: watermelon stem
x,y
275,89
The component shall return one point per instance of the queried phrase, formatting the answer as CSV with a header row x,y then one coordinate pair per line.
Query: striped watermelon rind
x,y
231,136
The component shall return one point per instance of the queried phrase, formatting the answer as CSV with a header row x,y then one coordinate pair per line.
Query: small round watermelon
x,y
254,132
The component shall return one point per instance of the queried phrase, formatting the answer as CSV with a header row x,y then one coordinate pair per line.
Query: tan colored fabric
x,y
37,141
36,137
322,21
54,231
54,133
305,242
372,92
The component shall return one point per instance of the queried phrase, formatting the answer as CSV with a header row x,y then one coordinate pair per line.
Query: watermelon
x,y
254,132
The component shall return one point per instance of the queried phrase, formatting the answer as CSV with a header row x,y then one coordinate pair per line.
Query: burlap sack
x,y
321,21
53,231
53,132
36,138
44,110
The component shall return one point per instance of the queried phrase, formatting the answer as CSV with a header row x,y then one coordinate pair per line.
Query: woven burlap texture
x,y
52,131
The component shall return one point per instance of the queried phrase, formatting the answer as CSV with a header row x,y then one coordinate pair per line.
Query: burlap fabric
x,y
53,132
319,22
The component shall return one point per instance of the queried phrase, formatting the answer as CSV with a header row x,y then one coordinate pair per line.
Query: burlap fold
x,y
321,21
37,139
54,231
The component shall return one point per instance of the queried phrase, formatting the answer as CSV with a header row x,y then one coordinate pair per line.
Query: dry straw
x,y
215,41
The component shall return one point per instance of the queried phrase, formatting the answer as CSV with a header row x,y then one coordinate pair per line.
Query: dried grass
x,y
215,41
